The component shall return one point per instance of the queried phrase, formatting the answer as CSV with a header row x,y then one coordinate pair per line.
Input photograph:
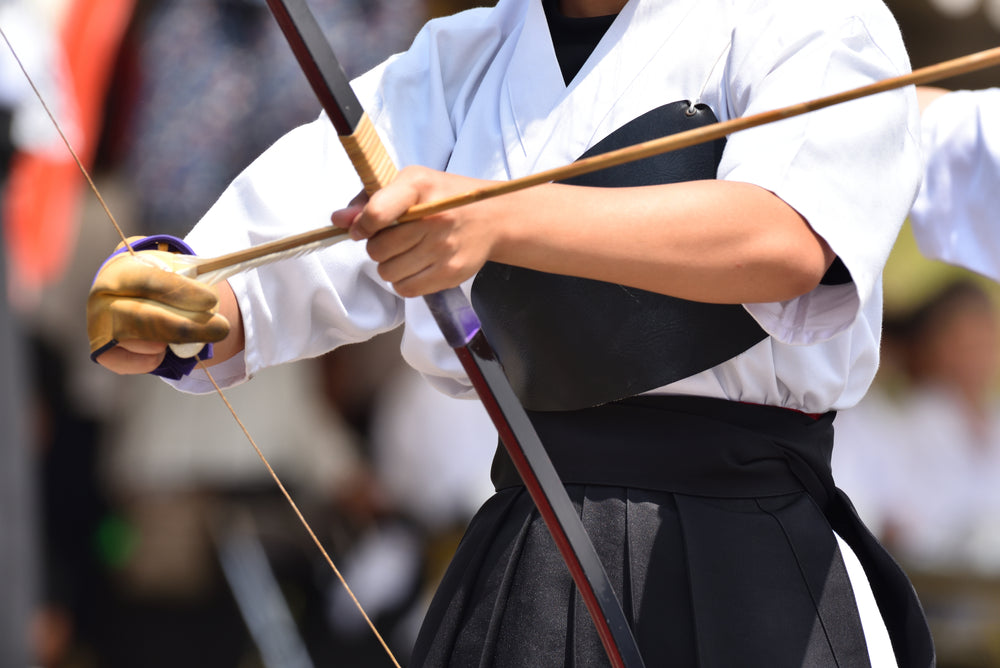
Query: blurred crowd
x,y
144,530
140,528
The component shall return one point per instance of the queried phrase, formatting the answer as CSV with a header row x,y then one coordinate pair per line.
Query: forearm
x,y
711,241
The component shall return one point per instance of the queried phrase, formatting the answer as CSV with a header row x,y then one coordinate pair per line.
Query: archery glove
x,y
140,297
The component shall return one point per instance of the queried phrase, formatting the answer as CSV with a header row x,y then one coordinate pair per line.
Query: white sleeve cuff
x,y
227,374
812,318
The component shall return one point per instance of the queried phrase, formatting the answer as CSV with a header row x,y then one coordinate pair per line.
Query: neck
x,y
586,8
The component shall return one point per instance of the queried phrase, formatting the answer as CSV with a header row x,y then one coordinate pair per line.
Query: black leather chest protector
x,y
568,343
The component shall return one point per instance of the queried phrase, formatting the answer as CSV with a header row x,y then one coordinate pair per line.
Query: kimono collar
x,y
544,111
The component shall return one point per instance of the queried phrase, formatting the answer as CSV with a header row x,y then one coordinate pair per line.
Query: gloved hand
x,y
140,298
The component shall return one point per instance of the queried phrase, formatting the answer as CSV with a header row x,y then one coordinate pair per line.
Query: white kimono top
x,y
956,213
481,94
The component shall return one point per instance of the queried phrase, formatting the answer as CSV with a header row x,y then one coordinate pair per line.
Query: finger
x,y
424,282
395,241
124,361
384,208
144,276
140,347
405,266
111,319
152,321
360,199
345,217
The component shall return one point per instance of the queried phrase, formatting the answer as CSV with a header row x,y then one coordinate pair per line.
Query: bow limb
x,y
218,275
461,329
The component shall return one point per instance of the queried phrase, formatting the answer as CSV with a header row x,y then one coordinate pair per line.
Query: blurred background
x,y
137,525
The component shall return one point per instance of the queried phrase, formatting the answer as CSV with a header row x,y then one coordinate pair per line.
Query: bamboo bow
x,y
460,327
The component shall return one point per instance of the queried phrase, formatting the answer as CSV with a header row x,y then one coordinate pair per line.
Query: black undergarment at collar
x,y
574,38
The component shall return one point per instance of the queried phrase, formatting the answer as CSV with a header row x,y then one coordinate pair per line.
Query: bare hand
x,y
430,254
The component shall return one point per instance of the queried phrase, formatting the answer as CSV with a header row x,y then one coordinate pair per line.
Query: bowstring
x,y
204,367
298,513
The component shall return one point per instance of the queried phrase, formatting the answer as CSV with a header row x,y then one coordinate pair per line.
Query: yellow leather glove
x,y
139,297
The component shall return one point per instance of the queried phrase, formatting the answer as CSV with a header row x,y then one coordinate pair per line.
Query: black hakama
x,y
715,521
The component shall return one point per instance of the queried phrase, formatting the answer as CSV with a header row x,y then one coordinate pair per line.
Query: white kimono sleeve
x,y
955,217
851,170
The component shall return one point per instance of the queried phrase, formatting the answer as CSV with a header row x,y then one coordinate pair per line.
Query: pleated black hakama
x,y
715,521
